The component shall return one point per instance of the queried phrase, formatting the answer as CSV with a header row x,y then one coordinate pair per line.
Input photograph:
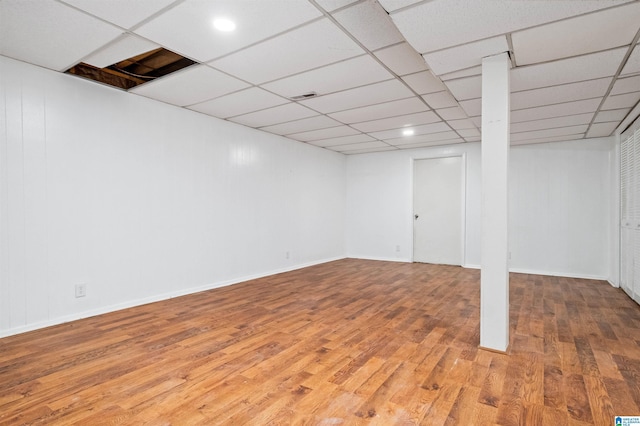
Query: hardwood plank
x,y
351,342
577,399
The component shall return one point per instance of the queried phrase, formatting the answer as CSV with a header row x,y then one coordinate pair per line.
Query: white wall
x,y
142,201
379,202
560,215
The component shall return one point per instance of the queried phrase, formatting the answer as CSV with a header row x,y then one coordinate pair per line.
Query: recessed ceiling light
x,y
224,24
408,132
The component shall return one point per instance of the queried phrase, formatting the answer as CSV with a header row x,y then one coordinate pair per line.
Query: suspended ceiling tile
x,y
125,13
418,118
275,115
402,59
382,110
412,140
469,133
465,56
473,107
344,140
430,144
332,132
633,63
303,125
465,88
424,129
440,100
361,96
424,82
549,139
362,145
626,85
477,121
576,36
435,25
126,46
559,94
599,130
473,139
461,124
469,72
612,115
311,46
626,100
587,67
392,5
550,123
556,110
242,102
331,5
343,75
189,86
47,33
368,151
255,20
361,18
570,130
454,113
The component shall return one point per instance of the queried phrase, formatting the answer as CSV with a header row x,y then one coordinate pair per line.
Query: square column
x,y
494,272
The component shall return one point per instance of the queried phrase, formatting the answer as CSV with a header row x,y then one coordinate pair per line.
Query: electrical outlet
x,y
81,290
398,249
287,255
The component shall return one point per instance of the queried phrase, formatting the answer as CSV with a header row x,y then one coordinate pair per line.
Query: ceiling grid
x,y
379,75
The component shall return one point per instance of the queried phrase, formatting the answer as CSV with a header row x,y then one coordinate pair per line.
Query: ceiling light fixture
x,y
408,132
224,24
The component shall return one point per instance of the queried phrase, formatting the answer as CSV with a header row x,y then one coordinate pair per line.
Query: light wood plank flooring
x,y
347,342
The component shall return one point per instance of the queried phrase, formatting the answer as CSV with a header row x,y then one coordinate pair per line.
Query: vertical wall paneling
x,y
16,267
142,201
35,201
560,197
559,202
379,211
5,318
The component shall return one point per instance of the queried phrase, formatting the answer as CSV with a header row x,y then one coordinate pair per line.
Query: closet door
x,y
626,200
630,215
634,291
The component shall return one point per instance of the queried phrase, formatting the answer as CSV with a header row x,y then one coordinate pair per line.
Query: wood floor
x,y
347,342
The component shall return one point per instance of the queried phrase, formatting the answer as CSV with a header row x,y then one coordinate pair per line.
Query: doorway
x,y
438,210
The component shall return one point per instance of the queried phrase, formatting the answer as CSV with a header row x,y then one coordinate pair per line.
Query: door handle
x,y
416,216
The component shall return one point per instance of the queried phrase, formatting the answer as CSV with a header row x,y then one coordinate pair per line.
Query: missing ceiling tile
x,y
134,71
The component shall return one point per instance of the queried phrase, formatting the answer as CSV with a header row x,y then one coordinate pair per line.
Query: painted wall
x,y
560,215
142,201
380,205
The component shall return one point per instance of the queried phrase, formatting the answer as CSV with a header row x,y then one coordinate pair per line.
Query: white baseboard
x,y
382,259
558,274
156,298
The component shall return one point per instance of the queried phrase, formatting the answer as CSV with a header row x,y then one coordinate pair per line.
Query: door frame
x,y
463,201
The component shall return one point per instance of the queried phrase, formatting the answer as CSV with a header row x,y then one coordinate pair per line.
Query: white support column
x,y
494,275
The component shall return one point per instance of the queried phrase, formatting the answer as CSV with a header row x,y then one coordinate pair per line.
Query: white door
x,y
437,208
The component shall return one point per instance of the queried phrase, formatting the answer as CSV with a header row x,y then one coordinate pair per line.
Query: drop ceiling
x,y
377,67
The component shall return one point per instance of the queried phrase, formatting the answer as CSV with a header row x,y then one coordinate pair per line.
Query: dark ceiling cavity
x,y
134,71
